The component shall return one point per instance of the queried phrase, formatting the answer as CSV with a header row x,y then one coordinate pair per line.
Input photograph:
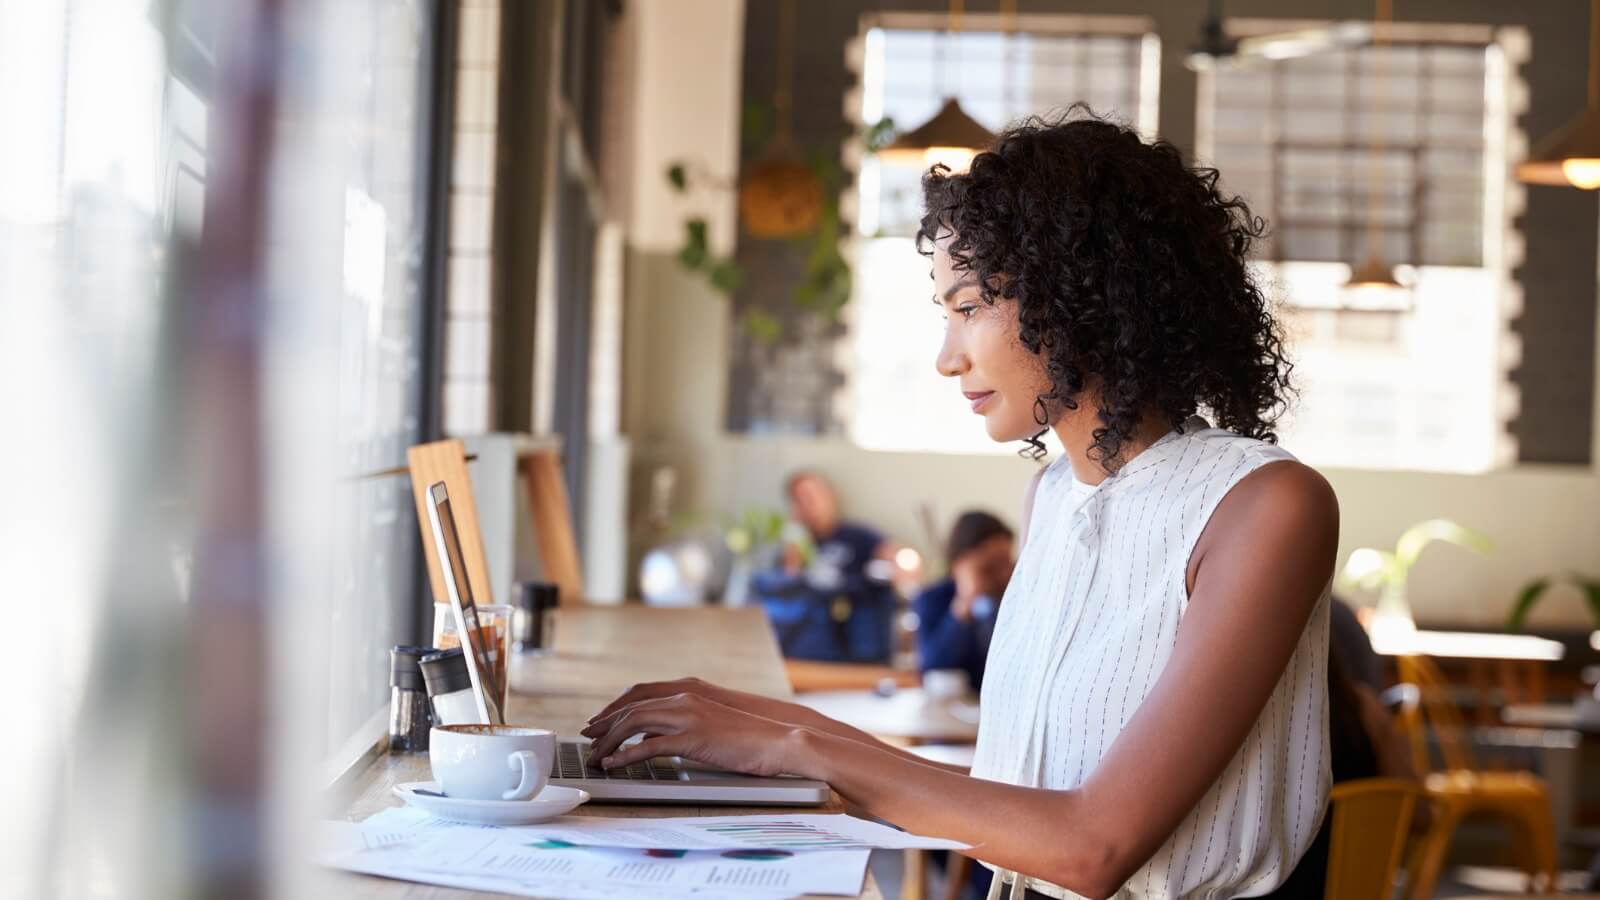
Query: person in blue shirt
x,y
832,597
956,616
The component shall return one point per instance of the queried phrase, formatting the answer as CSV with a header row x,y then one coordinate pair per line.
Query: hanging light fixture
x,y
1571,156
951,137
781,197
1372,283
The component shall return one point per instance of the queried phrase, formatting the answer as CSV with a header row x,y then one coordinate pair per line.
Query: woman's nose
x,y
952,360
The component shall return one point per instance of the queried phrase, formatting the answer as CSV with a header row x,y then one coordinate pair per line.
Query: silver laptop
x,y
665,779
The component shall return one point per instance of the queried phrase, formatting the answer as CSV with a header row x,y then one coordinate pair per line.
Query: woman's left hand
x,y
697,728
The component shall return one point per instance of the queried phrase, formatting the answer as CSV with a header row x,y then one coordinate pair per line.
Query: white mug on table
x,y
491,762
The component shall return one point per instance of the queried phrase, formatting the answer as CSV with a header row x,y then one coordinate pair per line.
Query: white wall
x,y
686,81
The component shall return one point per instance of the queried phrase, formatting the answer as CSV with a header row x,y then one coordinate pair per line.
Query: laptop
x,y
665,779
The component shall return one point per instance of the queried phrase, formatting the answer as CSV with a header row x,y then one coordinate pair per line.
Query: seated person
x,y
836,602
956,615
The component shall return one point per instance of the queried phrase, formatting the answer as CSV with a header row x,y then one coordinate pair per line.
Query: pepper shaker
x,y
410,717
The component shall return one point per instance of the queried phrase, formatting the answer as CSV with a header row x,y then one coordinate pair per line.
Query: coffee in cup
x,y
491,762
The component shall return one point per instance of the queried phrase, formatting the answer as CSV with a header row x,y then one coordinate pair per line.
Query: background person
x,y
832,597
955,616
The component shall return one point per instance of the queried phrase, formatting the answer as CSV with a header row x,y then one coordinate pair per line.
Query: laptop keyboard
x,y
569,763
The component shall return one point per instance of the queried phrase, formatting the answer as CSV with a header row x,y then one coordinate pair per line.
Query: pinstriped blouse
x,y
1086,627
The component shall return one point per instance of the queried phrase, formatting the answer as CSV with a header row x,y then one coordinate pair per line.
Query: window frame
x,y
1503,203
1351,225
1142,28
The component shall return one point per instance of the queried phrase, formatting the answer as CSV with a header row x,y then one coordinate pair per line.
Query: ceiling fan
x,y
1216,49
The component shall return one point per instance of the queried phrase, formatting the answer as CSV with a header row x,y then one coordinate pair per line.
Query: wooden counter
x,y
600,652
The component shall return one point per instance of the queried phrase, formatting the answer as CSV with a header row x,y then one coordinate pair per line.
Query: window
x,y
908,65
1397,151
114,208
387,155
468,321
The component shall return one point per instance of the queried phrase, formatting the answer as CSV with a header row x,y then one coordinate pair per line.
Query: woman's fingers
x,y
655,716
602,723
649,748
651,690
629,697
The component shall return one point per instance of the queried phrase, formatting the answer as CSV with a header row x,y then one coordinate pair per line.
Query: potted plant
x,y
750,537
1387,572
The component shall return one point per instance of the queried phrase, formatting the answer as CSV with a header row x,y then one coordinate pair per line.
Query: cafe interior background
x,y
251,251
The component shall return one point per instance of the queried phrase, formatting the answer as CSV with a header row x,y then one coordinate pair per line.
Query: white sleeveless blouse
x,y
1085,629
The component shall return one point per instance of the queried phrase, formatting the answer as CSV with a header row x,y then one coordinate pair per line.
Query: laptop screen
x,y
452,565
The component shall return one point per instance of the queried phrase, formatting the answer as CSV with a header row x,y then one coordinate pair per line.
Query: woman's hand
x,y
698,728
766,707
770,709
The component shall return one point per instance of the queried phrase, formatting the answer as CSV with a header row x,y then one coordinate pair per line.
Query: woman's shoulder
x,y
1222,442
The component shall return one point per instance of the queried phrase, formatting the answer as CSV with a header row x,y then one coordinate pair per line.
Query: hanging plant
x,y
824,286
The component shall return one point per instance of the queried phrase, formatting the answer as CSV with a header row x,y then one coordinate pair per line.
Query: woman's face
x,y
999,377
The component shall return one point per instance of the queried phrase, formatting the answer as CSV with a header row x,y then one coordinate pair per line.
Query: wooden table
x,y
807,675
600,652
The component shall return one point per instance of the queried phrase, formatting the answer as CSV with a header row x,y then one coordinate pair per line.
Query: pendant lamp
x,y
1571,156
1373,279
951,137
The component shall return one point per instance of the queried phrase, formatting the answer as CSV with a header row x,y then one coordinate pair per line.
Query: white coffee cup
x,y
491,762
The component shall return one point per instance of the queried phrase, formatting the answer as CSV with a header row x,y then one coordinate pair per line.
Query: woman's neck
x,y
1075,430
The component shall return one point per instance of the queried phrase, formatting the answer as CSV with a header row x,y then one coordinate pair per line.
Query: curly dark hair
x,y
1129,271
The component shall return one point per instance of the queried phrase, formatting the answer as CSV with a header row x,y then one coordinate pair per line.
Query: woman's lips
x,y
979,399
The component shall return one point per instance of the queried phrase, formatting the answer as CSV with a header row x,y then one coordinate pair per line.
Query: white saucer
x,y
547,804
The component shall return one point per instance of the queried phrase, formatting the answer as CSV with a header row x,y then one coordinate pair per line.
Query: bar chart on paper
x,y
794,832
788,834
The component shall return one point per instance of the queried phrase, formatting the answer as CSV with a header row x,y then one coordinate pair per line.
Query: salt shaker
x,y
450,688
409,713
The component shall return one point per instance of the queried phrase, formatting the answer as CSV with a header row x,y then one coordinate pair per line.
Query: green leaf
x,y
755,123
726,275
678,176
1526,597
1418,536
694,254
762,325
825,166
1367,568
1591,596
879,134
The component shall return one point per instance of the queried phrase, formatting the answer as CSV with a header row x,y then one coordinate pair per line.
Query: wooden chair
x,y
1371,819
552,522
1461,788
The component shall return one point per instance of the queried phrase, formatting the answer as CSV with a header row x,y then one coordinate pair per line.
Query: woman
x,y
1154,707
955,616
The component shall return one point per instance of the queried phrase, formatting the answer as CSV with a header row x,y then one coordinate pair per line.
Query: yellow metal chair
x,y
1520,799
1371,818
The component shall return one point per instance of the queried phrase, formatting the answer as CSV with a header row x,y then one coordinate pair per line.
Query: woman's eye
x,y
967,311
